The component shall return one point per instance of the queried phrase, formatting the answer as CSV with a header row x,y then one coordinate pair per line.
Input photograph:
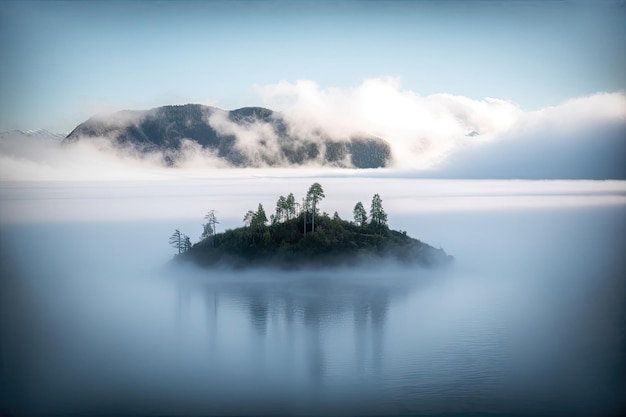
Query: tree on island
x,y
314,196
360,215
209,226
180,241
290,206
377,214
281,210
247,219
259,218
305,209
257,224
285,209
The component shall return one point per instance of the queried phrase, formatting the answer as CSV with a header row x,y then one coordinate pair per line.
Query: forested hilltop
x,y
298,235
246,137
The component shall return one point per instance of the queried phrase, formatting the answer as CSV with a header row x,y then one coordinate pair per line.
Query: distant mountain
x,y
246,137
35,133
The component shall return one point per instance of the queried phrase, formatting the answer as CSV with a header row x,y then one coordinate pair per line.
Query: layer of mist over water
x,y
529,321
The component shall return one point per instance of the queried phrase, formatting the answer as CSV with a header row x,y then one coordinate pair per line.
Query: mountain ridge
x,y
244,137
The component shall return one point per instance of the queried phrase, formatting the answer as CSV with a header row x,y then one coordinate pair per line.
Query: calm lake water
x,y
529,321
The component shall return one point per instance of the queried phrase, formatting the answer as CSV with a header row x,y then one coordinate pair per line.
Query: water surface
x,y
529,321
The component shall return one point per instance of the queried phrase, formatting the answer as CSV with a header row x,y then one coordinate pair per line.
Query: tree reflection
x,y
379,305
298,321
315,347
258,309
369,306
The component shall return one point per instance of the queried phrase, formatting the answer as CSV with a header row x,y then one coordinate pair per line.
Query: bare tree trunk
x,y
304,215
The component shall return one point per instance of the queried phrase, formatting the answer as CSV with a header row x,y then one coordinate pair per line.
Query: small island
x,y
299,236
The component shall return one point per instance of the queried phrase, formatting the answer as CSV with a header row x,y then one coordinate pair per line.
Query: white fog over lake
x,y
529,320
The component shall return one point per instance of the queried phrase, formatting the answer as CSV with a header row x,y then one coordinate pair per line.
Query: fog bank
x,y
233,192
435,136
425,131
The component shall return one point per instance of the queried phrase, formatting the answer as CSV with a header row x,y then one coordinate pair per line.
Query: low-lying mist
x,y
231,193
529,321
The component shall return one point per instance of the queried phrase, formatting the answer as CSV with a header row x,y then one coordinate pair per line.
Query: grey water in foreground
x,y
529,321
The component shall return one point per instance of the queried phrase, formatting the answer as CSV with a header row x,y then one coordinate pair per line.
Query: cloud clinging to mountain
x,y
431,132
440,135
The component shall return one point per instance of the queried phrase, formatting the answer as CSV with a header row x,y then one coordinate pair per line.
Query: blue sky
x,y
64,61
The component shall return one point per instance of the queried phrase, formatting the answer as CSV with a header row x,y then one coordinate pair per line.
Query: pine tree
x,y
314,196
209,227
305,210
290,206
259,218
178,241
377,214
360,215
281,210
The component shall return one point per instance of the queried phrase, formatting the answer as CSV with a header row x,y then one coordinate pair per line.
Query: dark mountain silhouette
x,y
268,139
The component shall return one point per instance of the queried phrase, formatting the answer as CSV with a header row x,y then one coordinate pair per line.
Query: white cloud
x,y
428,132
421,130
581,138
31,159
432,135
257,141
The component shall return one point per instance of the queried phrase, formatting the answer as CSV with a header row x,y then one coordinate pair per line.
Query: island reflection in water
x,y
527,322
362,340
310,308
